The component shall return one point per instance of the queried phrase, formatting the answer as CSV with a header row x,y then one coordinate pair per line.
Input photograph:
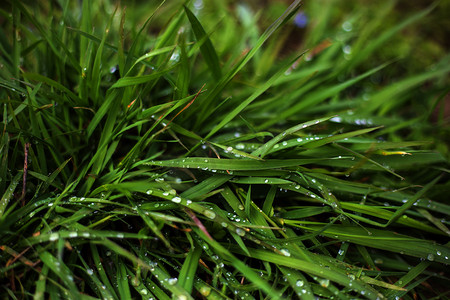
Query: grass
x,y
215,150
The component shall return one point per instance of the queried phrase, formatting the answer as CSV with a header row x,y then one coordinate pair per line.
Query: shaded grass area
x,y
212,151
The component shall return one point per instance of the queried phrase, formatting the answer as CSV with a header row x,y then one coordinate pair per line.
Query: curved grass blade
x,y
189,268
264,149
386,240
206,48
230,164
8,194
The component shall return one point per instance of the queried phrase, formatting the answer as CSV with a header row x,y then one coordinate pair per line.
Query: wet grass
x,y
221,151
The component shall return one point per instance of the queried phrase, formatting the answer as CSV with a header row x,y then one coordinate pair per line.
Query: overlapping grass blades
x,y
179,154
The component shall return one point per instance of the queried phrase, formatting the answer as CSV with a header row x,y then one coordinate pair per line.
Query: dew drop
x,y
324,282
299,283
209,214
53,237
347,26
378,261
285,252
205,291
176,199
240,232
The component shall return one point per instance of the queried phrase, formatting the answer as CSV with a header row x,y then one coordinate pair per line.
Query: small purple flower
x,y
300,19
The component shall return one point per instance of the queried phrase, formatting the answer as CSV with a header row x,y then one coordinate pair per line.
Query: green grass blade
x,y
206,47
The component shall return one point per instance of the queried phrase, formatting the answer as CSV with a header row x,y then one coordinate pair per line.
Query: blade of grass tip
x,y
55,173
338,137
399,212
135,80
262,151
95,74
148,55
408,277
364,158
268,202
184,73
8,194
121,43
206,48
189,268
232,150
437,222
213,95
233,201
